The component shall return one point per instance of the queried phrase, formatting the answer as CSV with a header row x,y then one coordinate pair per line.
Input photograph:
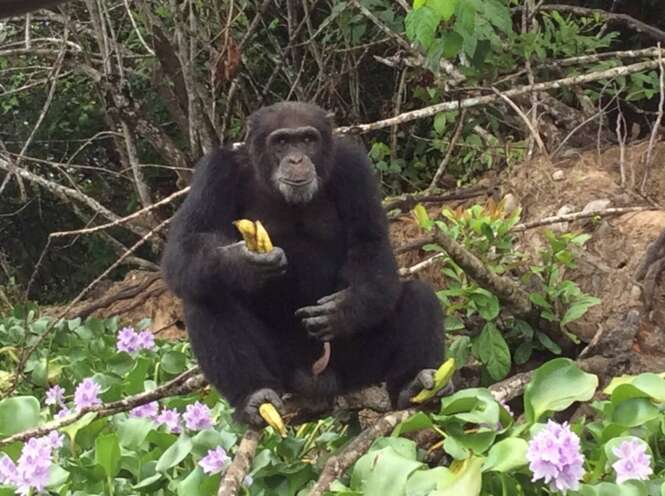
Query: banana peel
x,y
272,417
441,377
255,235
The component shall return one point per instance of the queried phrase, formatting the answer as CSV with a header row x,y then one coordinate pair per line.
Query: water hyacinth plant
x,y
185,444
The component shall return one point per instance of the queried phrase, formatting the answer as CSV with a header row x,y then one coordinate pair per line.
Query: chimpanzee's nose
x,y
295,160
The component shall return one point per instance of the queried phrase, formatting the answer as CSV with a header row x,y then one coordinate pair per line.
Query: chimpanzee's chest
x,y
314,240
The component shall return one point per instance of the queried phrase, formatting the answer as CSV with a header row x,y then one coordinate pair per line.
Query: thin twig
x,y
530,125
656,126
577,216
449,152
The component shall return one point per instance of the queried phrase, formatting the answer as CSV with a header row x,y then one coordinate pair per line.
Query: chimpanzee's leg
x,y
409,341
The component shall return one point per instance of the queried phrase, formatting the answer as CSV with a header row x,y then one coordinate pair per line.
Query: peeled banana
x,y
255,235
441,378
270,414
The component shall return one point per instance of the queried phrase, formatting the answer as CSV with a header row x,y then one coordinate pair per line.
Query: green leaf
x,y
506,455
132,432
523,352
72,429
423,482
107,454
422,217
416,422
634,412
176,453
465,478
578,309
555,386
486,303
539,299
494,352
647,385
499,15
443,8
547,343
421,25
174,362
383,471
440,123
18,413
452,43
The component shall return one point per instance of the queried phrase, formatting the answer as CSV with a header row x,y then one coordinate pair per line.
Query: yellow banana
x,y
270,414
262,238
255,235
441,378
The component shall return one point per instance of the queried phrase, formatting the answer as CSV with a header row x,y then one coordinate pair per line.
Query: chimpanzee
x,y
256,321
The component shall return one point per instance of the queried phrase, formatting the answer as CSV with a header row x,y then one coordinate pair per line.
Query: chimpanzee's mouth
x,y
297,183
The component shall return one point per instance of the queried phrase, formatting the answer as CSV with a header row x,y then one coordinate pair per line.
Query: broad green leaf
x,y
173,362
191,485
440,123
176,453
634,412
423,482
57,476
465,478
647,385
555,386
498,14
523,352
506,455
444,8
539,299
383,471
107,454
421,216
132,432
18,414
628,488
494,352
486,303
421,25
416,422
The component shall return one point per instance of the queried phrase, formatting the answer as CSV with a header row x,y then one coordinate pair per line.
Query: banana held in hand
x,y
441,378
272,417
255,235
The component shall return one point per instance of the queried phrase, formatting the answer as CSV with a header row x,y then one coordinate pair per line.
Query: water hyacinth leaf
x,y
555,386
174,362
18,413
133,432
647,385
423,482
634,412
57,477
415,423
465,478
176,453
630,488
192,484
455,448
506,455
72,429
107,454
383,471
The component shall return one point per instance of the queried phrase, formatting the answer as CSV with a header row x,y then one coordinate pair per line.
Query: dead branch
x,y
242,461
414,269
338,464
530,125
509,292
577,216
486,99
408,201
637,25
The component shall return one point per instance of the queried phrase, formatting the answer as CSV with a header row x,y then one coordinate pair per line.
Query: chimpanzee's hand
x,y
250,410
254,269
324,320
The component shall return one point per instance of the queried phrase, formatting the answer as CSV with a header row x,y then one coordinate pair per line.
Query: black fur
x,y
243,331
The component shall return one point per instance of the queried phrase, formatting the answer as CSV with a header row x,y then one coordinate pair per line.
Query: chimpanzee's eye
x,y
282,141
307,139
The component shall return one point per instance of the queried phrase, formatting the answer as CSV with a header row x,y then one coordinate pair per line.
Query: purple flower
x,y
145,340
8,472
633,461
64,412
127,340
55,396
248,481
554,455
197,417
171,419
53,440
86,394
149,411
214,461
32,470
